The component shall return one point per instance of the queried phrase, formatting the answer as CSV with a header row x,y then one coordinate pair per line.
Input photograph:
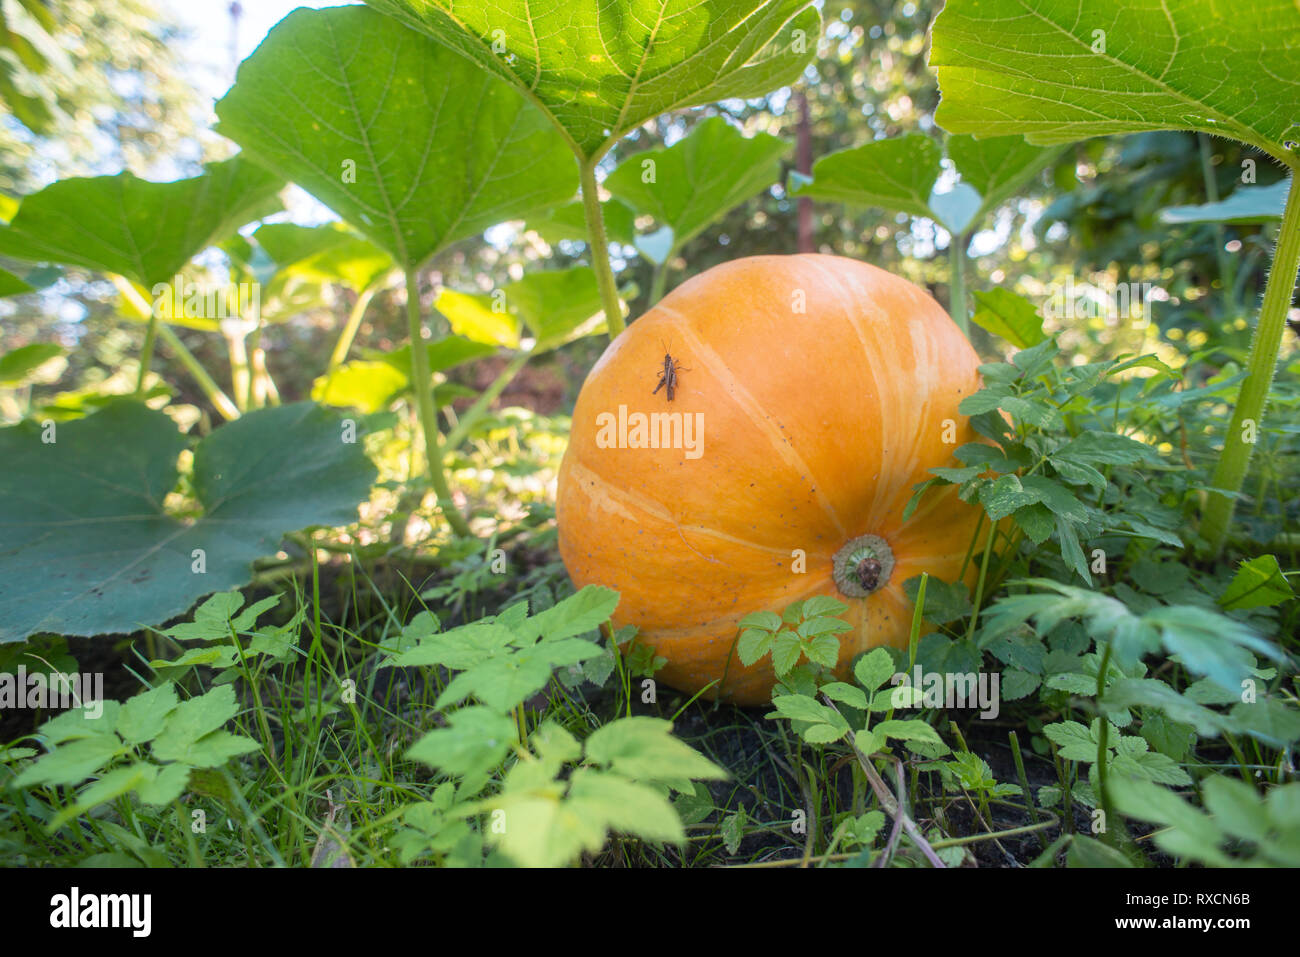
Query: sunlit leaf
x,y
602,69
410,143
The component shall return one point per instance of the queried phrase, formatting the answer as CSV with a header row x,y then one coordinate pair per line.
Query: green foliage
x,y
141,230
181,736
107,556
1150,68
1240,818
600,71
462,153
553,307
900,174
690,185
617,781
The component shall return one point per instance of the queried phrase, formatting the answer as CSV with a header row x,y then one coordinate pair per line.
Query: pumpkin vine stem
x,y
863,565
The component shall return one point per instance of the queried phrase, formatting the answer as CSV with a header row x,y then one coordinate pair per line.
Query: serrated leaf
x,y
845,694
73,762
767,620
873,669
474,742
643,748
913,730
1258,583
142,717
576,615
1005,314
193,719
754,643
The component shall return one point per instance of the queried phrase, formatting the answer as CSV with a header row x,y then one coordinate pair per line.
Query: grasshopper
x,y
668,375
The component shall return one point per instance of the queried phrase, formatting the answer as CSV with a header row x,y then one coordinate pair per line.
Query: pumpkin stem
x,y
863,566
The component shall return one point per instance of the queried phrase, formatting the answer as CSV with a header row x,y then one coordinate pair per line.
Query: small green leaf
x,y
1259,583
893,174
1012,317
142,717
873,669
73,762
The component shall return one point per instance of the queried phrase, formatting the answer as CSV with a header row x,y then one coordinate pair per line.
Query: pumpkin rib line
x,y
757,415
655,510
847,300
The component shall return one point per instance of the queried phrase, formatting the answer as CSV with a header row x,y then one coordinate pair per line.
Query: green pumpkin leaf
x,y
138,229
894,174
11,285
694,182
89,549
1248,205
411,144
570,222
556,306
328,253
1056,73
602,69
20,366
997,167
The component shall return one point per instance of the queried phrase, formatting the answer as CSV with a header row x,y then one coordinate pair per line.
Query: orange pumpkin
x,y
813,392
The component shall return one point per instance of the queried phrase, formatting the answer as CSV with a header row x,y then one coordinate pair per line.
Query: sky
x,y
209,44
208,52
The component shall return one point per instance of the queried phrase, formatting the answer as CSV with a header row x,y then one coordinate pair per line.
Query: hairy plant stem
x,y
957,282
349,333
220,401
146,352
658,282
1234,460
489,395
599,246
422,386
